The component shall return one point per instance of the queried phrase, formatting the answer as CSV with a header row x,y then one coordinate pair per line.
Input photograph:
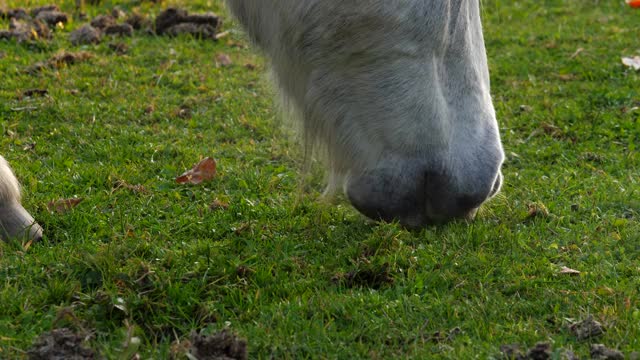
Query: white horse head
x,y
398,94
15,221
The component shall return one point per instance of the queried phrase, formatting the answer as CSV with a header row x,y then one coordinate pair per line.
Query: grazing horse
x,y
396,92
15,221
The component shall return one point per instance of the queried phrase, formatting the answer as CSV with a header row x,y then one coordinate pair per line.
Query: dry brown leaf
x,y
27,245
537,209
205,170
218,205
63,205
569,271
122,184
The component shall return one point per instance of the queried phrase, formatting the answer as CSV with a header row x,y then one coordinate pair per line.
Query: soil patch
x,y
221,346
371,276
541,351
34,93
61,344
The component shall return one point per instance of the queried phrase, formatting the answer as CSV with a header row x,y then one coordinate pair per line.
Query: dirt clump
x,y
221,346
60,344
196,30
119,48
119,30
512,351
52,17
541,351
86,34
69,58
22,31
33,93
138,21
371,276
18,14
38,10
586,329
168,18
204,19
103,21
118,13
175,21
601,352
59,60
93,32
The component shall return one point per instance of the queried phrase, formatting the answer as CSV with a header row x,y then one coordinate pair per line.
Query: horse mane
x,y
9,186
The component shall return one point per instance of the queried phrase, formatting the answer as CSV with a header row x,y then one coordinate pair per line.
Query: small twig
x,y
222,34
24,108
576,53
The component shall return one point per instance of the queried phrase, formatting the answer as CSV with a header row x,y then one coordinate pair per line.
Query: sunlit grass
x,y
296,277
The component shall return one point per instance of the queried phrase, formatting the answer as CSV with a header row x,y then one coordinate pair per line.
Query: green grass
x,y
298,278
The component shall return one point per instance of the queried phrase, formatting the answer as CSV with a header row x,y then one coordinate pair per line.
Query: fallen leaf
x,y
205,170
224,60
633,62
537,209
566,77
218,205
63,205
121,184
569,271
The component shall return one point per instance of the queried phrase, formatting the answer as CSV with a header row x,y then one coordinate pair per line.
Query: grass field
x,y
295,277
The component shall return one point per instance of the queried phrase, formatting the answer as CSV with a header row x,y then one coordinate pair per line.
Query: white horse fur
x,y
15,221
396,91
